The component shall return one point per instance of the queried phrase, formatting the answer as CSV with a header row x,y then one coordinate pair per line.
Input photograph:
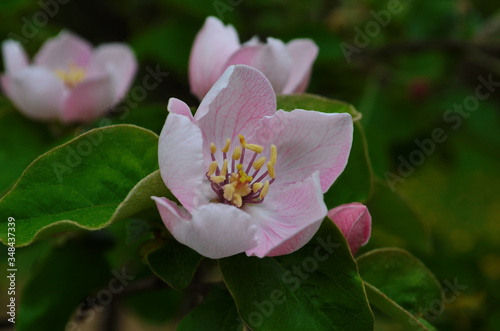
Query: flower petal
x,y
234,105
179,107
303,52
90,99
63,51
119,61
37,92
288,219
212,47
14,56
272,59
214,230
308,141
355,222
181,162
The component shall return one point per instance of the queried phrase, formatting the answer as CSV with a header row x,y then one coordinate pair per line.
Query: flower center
x,y
71,76
231,180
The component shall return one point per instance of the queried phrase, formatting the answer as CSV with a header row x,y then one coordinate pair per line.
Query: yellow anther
x,y
237,201
256,187
243,141
249,178
264,191
233,178
212,167
254,148
218,179
228,192
239,167
225,149
244,190
237,153
72,76
223,171
213,149
270,170
274,154
259,163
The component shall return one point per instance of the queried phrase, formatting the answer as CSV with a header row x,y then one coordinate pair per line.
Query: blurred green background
x,y
427,58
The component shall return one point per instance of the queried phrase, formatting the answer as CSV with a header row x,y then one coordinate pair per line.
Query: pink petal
x,y
179,107
119,61
297,241
181,162
14,57
288,218
355,222
212,47
272,59
308,141
234,105
303,52
215,230
90,99
37,92
254,41
63,51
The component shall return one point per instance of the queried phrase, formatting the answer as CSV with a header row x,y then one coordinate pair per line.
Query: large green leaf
x,y
27,139
97,178
355,183
395,222
216,313
399,285
59,283
316,288
174,263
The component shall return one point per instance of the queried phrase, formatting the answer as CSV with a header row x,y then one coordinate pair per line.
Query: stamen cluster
x,y
72,76
232,182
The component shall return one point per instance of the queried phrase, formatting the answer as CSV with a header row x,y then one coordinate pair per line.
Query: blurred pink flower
x,y
68,80
355,222
243,189
216,47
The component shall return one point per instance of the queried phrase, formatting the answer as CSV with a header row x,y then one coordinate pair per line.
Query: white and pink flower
x,y
216,47
243,187
355,222
67,80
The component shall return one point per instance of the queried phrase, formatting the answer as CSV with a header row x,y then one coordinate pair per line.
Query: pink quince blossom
x,y
249,178
216,47
355,222
68,80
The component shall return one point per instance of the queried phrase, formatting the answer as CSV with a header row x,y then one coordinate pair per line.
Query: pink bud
x,y
355,222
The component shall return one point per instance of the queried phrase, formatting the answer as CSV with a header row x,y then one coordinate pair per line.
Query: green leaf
x,y
216,313
58,284
395,222
399,285
174,263
95,179
316,288
392,309
316,103
28,140
355,182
